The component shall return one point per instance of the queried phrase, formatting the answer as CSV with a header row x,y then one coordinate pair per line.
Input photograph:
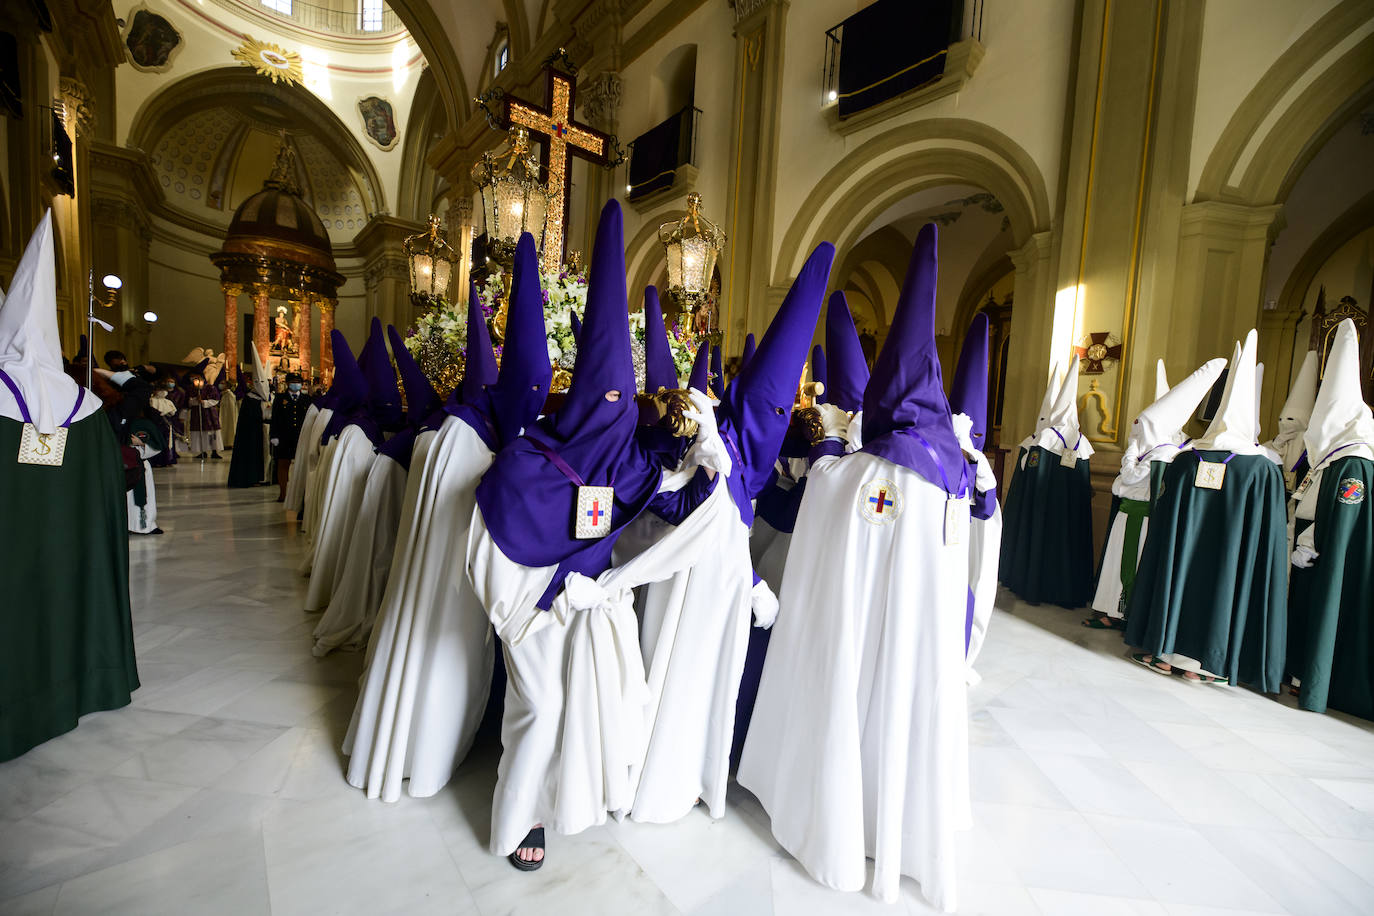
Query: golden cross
x,y
560,135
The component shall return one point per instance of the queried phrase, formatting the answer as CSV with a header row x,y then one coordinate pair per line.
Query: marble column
x,y
303,335
232,291
261,337
327,307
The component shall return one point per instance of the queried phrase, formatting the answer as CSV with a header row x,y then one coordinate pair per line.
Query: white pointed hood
x,y
1235,427
1042,419
1297,410
1061,431
30,347
262,378
1161,380
1340,416
1162,422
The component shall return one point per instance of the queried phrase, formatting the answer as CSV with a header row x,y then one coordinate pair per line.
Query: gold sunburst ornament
x,y
276,63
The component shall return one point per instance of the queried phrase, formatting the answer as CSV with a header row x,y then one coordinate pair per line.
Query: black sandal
x,y
1101,622
533,840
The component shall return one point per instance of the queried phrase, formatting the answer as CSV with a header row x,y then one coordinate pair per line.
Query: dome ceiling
x,y
213,159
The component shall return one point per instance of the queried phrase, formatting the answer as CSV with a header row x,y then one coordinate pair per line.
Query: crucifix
x,y
560,136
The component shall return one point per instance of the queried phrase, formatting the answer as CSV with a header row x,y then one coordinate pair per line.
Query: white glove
x,y
963,432
708,450
276,441
1304,557
764,604
983,478
834,421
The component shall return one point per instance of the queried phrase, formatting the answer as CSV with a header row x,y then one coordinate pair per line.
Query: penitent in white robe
x,y
576,718
308,444
430,658
360,579
858,746
342,471
694,631
767,545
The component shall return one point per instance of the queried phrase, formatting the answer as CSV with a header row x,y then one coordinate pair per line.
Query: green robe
x,y
68,645
1331,605
1047,532
1212,581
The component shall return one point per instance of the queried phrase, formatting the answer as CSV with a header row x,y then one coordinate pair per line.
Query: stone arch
x,y
210,88
1286,118
418,182
898,163
429,36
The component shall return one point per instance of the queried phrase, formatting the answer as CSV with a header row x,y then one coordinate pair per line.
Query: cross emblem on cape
x,y
560,136
1097,350
595,512
880,502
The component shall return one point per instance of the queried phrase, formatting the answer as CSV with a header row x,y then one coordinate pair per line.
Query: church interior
x,y
239,194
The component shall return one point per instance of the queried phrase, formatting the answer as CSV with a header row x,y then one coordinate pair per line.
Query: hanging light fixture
x,y
432,261
691,246
514,200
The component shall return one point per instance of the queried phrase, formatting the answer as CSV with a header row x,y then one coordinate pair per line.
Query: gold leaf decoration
x,y
276,63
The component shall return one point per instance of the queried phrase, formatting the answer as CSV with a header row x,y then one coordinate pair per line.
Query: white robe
x,y
308,441
858,746
143,519
767,545
343,474
984,554
229,417
694,631
575,718
360,579
430,659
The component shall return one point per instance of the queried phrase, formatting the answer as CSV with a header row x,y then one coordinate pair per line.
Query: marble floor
x,y
1098,787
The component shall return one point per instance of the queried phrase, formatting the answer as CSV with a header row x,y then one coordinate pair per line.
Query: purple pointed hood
x,y
700,379
757,407
717,373
659,369
968,394
421,398
846,371
514,401
527,500
480,369
749,347
907,419
350,393
820,373
576,324
383,394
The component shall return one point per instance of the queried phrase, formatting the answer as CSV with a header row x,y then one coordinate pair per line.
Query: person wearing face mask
x,y
288,416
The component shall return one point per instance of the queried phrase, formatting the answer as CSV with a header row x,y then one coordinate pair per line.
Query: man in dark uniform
x,y
288,413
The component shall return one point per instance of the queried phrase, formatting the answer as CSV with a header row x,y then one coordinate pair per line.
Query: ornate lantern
x,y
432,264
691,246
514,200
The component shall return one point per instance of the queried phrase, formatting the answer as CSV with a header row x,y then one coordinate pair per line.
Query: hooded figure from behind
x,y
247,465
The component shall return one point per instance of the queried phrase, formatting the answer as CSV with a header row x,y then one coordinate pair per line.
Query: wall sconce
x,y
112,286
150,317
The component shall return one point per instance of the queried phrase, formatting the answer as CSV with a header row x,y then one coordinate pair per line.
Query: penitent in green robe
x,y
67,647
1047,532
1212,581
1331,605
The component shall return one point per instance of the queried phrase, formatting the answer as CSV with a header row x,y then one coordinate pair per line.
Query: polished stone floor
x,y
1099,788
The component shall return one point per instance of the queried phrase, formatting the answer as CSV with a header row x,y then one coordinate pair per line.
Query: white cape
x,y
342,472
308,443
858,746
575,718
143,519
430,658
229,416
694,630
984,553
361,578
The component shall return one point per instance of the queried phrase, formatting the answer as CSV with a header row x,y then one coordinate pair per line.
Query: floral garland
x,y
438,341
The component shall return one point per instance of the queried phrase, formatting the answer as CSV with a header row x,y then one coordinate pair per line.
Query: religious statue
x,y
283,339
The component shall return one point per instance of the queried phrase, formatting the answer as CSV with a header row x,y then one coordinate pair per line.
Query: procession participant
x,y
717,374
1293,420
68,648
1330,649
430,659
246,468
549,512
1046,553
695,626
858,746
201,413
1210,595
818,373
1155,440
290,408
749,347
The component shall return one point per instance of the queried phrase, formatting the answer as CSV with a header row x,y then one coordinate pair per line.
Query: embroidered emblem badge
x,y
1033,458
1351,491
880,502
592,517
1210,475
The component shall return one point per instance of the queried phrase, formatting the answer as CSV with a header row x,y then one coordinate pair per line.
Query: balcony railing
x,y
354,22
658,153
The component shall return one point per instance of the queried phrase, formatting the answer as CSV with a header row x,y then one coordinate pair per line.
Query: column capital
x,y
232,289
80,107
601,97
